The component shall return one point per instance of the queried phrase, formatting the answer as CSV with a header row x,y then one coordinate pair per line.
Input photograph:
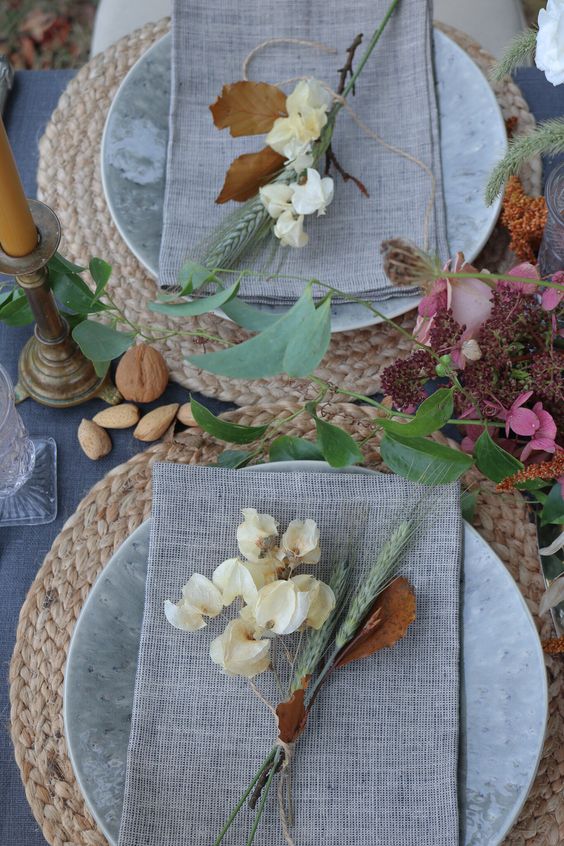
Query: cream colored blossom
x,y
256,534
314,195
200,598
307,95
322,599
263,571
237,651
285,606
301,541
234,579
290,230
549,56
276,198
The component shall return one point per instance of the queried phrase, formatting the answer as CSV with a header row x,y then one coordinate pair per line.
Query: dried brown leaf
x,y
388,622
248,108
248,173
292,716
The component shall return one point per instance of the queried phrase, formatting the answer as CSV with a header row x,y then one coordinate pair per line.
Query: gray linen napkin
x,y
377,763
395,96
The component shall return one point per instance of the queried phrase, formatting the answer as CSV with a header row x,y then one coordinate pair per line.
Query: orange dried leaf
x,y
292,717
388,622
248,173
248,108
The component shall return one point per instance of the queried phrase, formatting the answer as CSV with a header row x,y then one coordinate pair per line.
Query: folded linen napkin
x,y
395,96
377,762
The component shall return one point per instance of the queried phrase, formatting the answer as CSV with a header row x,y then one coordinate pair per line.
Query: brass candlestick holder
x,y
52,369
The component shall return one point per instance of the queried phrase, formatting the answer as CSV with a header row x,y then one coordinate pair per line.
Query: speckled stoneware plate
x,y
503,686
134,145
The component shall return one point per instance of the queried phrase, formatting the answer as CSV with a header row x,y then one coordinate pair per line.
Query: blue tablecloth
x,y
22,550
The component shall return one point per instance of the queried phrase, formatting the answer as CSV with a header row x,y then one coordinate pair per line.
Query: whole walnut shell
x,y
142,374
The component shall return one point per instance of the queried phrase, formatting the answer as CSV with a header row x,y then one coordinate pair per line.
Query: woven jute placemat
x,y
107,516
69,180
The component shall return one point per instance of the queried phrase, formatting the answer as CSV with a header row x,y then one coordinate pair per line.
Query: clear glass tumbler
x,y
551,253
28,485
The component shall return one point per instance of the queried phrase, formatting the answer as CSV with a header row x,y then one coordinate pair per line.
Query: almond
x,y
185,415
94,440
154,424
142,374
118,416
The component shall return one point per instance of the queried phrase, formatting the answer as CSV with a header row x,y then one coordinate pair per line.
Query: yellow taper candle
x,y
18,235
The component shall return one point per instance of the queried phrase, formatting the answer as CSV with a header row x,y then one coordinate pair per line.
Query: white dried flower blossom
x,y
322,599
276,198
549,54
301,541
290,230
314,195
307,115
255,535
237,651
234,579
265,570
471,350
285,606
200,598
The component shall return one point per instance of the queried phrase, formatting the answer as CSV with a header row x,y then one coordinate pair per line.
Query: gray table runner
x,y
377,763
395,96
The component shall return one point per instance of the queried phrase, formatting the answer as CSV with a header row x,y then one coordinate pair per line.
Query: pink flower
x,y
551,296
545,433
526,269
522,421
469,299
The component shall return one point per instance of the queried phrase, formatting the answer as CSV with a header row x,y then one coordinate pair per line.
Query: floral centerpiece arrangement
x,y
295,626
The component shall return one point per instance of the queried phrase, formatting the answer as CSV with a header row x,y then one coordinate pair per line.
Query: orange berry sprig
x,y
552,469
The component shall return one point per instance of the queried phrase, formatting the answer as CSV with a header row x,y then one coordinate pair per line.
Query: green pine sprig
x,y
520,51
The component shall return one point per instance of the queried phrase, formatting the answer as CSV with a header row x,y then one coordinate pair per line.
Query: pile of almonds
x,y
141,376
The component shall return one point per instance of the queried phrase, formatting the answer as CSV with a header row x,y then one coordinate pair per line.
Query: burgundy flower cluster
x,y
502,344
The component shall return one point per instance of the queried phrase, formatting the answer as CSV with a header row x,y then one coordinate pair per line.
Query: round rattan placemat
x,y
69,180
106,516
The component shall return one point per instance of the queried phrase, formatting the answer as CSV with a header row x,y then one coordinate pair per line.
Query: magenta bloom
x,y
551,299
525,269
522,421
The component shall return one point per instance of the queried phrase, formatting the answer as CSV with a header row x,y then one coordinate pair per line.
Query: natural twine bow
x,y
284,792
359,122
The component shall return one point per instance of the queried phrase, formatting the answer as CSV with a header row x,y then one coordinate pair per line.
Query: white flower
x,y
255,534
290,230
301,541
286,605
322,599
276,198
264,571
199,597
237,651
308,94
302,161
471,350
233,579
549,56
314,195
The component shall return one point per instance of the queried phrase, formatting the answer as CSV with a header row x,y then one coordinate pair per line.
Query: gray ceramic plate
x,y
134,145
503,696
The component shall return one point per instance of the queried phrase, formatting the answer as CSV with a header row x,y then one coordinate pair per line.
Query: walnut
x,y
142,374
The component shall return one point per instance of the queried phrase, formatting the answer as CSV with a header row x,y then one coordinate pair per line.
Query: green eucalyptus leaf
x,y
101,368
16,311
307,348
553,508
263,355
245,315
233,433
193,276
422,460
195,307
99,342
288,448
73,293
337,446
100,271
493,461
468,501
234,458
62,265
431,415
